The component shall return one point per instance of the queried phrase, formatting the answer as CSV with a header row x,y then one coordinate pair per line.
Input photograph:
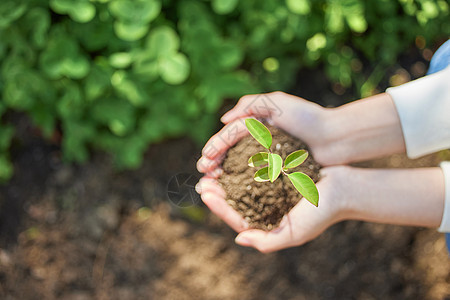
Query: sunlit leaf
x,y
275,164
129,31
259,159
135,11
259,132
174,69
80,11
162,41
120,60
301,7
295,159
262,175
305,186
223,7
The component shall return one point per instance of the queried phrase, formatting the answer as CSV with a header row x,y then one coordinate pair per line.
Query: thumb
x,y
268,241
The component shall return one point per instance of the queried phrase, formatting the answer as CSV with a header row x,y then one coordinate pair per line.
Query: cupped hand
x,y
299,117
302,224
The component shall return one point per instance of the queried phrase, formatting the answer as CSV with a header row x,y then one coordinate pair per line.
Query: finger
x,y
239,110
258,105
268,241
208,184
227,137
217,204
206,165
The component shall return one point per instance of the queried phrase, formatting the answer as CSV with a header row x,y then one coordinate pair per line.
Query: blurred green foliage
x,y
118,75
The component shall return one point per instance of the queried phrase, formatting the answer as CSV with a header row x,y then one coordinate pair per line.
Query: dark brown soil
x,y
263,204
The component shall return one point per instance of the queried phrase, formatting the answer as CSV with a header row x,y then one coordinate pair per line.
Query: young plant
x,y
273,163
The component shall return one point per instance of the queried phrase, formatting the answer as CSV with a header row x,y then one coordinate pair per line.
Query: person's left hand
x,y
302,224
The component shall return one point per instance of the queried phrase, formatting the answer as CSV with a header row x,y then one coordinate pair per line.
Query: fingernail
x,y
225,118
198,188
202,164
244,225
216,173
243,241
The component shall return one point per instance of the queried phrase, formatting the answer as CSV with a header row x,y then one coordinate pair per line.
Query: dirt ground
x,y
88,232
263,204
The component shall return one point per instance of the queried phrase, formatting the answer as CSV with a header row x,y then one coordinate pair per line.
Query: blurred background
x,y
104,102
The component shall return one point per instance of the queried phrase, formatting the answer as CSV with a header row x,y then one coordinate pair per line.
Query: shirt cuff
x,y
423,106
445,223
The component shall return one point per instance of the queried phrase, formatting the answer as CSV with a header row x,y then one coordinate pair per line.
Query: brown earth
x,y
89,232
263,204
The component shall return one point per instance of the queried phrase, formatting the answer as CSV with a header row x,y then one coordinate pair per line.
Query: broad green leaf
x,y
81,11
223,7
259,159
275,164
10,11
6,135
295,159
174,69
259,132
262,175
146,68
6,167
162,41
75,67
300,7
136,11
37,21
120,60
129,32
305,186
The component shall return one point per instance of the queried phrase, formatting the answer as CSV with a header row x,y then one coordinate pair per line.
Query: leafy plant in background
x,y
273,163
118,75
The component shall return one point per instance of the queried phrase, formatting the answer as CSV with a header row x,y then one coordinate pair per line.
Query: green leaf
x,y
259,132
223,7
300,7
6,167
262,175
162,41
258,159
129,32
295,159
10,11
305,186
174,69
81,11
120,60
275,164
136,11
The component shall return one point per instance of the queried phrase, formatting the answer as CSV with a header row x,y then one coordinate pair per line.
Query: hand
x,y
299,117
413,197
302,224
357,131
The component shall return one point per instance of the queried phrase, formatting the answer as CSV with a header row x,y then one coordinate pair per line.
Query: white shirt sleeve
x,y
445,223
423,106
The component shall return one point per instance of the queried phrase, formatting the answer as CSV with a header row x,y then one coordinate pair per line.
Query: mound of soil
x,y
263,204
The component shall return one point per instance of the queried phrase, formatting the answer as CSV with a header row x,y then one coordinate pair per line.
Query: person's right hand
x,y
303,223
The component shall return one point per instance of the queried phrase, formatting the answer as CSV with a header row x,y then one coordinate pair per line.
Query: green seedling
x,y
272,163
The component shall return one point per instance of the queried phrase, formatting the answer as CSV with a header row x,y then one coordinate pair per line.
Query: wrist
x,y
362,130
412,197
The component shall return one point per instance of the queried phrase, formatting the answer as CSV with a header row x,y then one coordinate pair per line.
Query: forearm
x,y
402,196
362,130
